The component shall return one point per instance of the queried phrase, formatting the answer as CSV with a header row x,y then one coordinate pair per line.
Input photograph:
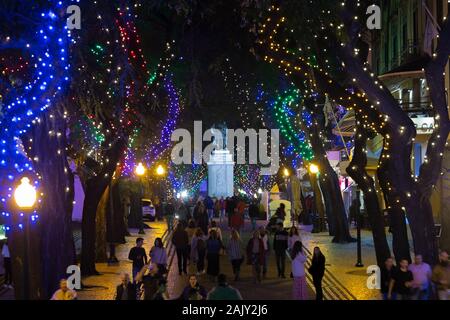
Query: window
x,y
417,158
416,28
405,37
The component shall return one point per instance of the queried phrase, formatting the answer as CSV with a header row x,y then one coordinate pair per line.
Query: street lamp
x,y
25,197
25,194
314,169
318,217
160,171
140,171
286,173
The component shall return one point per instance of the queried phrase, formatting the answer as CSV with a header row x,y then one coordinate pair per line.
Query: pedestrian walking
x,y
401,282
217,229
193,291
64,293
387,274
201,217
294,236
299,288
280,244
180,240
234,250
126,290
317,271
158,208
421,272
213,248
182,213
7,265
223,291
158,255
264,235
253,212
229,207
223,207
255,255
198,250
216,207
190,229
441,276
138,256
209,204
169,213
280,213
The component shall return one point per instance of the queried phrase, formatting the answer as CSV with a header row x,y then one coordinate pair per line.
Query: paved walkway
x,y
103,287
343,281
270,288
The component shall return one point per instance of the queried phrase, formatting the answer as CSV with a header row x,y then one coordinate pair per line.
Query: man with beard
x,y
441,276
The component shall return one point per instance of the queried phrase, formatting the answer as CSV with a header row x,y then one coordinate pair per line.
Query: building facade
x,y
399,53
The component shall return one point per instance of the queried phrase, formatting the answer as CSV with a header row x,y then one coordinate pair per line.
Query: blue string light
x,y
48,51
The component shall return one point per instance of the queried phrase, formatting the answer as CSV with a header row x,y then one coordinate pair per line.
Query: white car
x,y
148,210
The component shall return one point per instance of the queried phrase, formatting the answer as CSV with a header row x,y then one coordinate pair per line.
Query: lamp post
x,y
25,198
286,175
313,170
140,172
359,263
161,172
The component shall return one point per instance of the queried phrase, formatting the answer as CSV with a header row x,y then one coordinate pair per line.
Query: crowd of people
x,y
199,242
416,281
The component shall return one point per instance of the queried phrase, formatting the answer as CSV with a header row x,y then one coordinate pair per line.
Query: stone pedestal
x,y
220,174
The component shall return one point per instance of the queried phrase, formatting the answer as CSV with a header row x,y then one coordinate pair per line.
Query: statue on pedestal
x,y
220,130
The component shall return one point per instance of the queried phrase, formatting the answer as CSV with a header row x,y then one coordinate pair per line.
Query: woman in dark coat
x,y
317,270
213,248
256,255
201,217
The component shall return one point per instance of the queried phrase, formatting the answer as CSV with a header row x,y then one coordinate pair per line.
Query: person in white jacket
x,y
299,288
158,255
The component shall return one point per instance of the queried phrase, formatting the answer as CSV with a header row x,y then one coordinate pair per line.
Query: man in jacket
x,y
180,240
126,290
280,244
441,276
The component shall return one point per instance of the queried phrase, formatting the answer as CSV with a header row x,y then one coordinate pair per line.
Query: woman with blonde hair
x,y
235,255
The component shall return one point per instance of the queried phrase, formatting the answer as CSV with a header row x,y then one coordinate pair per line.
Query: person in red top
x,y
237,221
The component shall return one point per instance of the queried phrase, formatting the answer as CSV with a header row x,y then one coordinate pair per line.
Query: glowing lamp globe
x,y
314,169
160,170
286,172
25,194
140,169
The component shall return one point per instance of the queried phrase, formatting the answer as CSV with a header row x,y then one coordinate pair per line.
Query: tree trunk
x,y
386,174
88,234
57,250
329,183
357,171
100,221
116,229
95,186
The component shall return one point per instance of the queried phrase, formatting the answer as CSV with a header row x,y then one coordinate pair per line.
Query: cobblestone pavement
x,y
341,260
103,287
